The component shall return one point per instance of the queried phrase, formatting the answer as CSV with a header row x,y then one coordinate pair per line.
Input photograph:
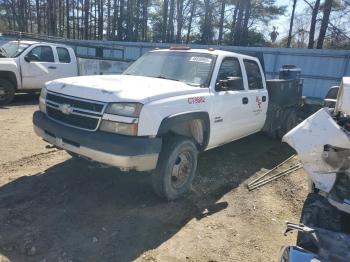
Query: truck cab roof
x,y
29,42
207,51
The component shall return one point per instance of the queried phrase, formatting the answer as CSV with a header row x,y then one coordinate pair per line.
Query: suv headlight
x,y
124,109
42,98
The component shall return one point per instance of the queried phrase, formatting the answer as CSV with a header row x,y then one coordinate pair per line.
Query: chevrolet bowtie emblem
x,y
65,109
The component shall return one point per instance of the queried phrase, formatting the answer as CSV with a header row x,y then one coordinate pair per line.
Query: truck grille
x,y
75,112
82,104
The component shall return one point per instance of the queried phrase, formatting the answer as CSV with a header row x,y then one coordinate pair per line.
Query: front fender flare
x,y
177,119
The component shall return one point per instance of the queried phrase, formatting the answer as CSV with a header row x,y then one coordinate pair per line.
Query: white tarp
x,y
309,139
343,99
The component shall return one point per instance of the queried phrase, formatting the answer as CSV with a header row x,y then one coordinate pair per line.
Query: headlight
x,y
43,92
119,128
42,103
124,109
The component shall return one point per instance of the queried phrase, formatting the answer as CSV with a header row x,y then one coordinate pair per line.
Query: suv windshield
x,y
191,68
12,49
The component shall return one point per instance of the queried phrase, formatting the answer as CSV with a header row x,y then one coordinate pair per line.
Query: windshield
x,y
12,49
191,68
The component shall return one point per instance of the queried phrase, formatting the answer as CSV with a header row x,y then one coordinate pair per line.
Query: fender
x,y
174,120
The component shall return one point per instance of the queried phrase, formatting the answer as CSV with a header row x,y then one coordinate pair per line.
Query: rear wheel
x,y
176,167
291,121
7,92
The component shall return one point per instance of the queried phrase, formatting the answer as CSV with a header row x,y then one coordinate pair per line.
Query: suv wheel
x,y
7,92
176,167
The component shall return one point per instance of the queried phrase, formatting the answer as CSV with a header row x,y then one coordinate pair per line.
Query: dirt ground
x,y
54,208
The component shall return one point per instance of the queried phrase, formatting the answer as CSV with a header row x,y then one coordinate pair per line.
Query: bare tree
x,y
291,24
165,19
180,19
170,26
324,24
315,9
144,20
121,18
189,28
221,23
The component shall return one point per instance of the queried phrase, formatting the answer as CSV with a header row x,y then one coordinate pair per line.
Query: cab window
x,y
41,54
255,80
63,55
230,68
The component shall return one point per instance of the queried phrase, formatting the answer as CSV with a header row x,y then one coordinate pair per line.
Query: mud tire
x,y
9,92
174,147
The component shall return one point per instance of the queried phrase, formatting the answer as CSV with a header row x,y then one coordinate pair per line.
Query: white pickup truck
x,y
159,114
26,66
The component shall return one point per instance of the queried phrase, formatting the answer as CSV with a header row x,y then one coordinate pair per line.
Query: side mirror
x,y
222,85
27,59
231,83
31,57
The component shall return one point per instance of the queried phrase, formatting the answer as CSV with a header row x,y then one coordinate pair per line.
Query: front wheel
x,y
7,92
176,167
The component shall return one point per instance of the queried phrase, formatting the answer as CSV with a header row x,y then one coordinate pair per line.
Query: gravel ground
x,y
54,208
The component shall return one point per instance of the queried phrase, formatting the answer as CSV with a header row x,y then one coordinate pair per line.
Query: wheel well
x,y
9,76
195,129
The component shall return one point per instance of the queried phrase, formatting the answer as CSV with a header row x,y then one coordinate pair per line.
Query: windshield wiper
x,y
163,77
4,51
193,84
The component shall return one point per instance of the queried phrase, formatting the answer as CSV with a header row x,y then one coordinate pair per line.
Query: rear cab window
x,y
254,76
63,55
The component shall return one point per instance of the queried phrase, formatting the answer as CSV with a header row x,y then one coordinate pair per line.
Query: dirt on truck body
x,y
55,208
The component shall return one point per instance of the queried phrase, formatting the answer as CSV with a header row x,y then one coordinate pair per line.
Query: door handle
x,y
52,67
245,100
264,98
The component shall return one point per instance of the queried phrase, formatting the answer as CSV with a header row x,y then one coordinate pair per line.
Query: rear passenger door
x,y
257,95
66,62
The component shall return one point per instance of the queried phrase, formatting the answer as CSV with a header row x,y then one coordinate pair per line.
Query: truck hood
x,y
121,88
7,61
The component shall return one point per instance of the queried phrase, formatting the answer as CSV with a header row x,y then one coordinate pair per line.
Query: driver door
x,y
38,66
231,109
